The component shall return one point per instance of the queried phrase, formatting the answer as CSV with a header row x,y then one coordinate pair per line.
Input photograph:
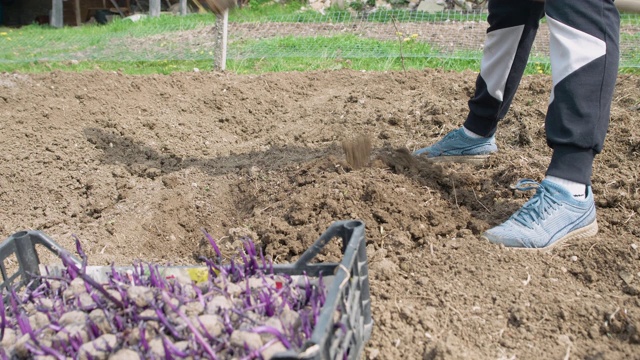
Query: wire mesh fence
x,y
308,34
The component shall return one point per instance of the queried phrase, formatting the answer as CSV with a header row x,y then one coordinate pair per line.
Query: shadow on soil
x,y
144,161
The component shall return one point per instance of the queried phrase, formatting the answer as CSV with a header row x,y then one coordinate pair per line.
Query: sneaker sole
x,y
582,233
463,159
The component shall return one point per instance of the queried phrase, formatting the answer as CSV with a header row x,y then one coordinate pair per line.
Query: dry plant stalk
x,y
357,150
404,69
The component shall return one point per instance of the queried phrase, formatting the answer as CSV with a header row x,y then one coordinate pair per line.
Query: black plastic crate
x,y
22,245
347,292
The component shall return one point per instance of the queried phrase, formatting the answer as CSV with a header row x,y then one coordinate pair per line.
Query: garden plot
x,y
136,167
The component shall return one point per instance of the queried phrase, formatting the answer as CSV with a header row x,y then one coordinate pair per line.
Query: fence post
x,y
57,19
220,56
154,8
183,7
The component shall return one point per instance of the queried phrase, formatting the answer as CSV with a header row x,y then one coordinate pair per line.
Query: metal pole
x,y
183,7
57,19
220,60
154,8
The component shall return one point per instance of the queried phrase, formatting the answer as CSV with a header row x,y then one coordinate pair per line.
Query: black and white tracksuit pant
x,y
584,48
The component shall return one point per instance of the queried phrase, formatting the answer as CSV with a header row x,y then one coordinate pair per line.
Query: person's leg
x,y
512,28
585,54
584,48
513,25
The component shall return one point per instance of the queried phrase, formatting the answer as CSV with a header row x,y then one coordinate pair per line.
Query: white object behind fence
x,y
154,8
183,7
56,14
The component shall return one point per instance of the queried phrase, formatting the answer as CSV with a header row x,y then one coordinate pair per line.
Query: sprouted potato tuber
x,y
241,311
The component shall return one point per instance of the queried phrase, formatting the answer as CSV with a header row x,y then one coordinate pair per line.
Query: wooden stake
x,y
220,56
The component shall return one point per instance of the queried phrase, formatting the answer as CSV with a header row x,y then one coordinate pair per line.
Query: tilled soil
x,y
137,166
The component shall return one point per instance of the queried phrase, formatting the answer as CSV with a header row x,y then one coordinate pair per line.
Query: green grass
x,y
126,67
299,54
265,9
43,43
250,66
147,47
371,55
336,52
631,54
257,66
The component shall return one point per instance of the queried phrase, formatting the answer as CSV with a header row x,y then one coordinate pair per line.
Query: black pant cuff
x,y
571,163
480,126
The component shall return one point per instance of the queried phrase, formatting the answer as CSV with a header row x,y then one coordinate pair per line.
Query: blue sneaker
x,y
457,146
549,218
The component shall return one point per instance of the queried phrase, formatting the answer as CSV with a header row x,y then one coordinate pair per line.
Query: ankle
x,y
471,134
578,190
